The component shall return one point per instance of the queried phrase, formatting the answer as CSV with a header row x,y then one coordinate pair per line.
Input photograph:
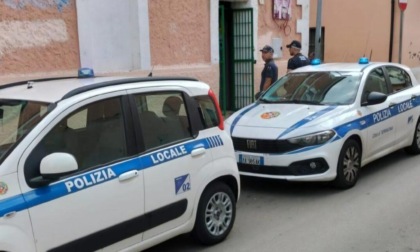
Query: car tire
x,y
215,214
414,148
349,164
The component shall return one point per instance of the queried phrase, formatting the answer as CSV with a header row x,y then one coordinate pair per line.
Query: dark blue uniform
x,y
297,61
270,71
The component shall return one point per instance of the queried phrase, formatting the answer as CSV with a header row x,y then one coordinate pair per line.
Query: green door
x,y
236,57
242,58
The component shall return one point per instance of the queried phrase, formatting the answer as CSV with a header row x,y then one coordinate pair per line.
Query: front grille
x,y
263,146
300,168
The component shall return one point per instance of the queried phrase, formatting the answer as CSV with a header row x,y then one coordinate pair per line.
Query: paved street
x,y
381,213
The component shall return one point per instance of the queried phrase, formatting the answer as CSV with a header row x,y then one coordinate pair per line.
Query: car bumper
x,y
315,164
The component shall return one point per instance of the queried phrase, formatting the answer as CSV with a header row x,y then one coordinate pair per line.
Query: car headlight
x,y
313,139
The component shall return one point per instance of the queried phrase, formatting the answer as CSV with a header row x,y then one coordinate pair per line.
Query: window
x,y
375,82
208,111
334,88
399,78
93,134
163,118
17,119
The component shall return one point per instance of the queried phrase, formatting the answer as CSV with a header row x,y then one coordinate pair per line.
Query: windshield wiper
x,y
265,100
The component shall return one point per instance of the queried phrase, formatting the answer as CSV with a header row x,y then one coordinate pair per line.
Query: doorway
x,y
236,48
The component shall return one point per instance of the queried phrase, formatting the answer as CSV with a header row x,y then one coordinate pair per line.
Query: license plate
x,y
252,160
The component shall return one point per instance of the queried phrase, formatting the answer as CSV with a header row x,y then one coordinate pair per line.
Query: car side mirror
x,y
53,167
375,98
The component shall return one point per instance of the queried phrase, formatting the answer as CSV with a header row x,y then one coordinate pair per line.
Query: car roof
x,y
56,89
348,67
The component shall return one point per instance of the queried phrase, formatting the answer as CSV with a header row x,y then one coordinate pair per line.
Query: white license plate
x,y
249,159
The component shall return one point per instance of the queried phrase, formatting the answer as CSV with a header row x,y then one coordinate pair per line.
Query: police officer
x,y
298,59
270,72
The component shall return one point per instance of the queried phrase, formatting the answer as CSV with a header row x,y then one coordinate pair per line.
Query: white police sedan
x,y
324,122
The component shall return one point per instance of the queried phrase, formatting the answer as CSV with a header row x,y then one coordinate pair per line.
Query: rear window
x,y
208,111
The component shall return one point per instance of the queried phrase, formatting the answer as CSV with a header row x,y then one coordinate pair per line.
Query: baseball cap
x,y
295,44
267,48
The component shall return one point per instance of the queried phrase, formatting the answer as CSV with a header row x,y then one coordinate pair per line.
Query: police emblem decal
x,y
182,184
269,115
3,188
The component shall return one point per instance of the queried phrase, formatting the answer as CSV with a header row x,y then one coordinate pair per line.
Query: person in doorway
x,y
298,59
270,72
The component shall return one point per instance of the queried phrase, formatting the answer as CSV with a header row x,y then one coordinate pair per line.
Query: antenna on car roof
x,y
370,56
367,41
151,72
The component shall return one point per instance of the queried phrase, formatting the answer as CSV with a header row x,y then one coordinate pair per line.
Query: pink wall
x,y
411,35
356,28
179,32
38,36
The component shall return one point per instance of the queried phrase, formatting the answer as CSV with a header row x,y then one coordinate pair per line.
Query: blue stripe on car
x,y
236,120
374,118
60,189
358,124
306,120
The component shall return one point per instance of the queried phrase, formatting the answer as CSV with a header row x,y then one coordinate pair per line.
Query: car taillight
x,y
219,111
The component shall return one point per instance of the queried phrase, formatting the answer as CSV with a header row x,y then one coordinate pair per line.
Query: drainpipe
x,y
391,36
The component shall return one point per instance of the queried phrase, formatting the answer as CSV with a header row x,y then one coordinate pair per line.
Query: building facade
x,y
215,41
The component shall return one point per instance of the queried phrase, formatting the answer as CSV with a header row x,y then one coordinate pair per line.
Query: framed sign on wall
x,y
282,9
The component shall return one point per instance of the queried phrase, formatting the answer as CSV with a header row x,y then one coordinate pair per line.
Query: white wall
x,y
113,35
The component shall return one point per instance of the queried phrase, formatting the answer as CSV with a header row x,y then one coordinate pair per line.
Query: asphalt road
x,y
381,213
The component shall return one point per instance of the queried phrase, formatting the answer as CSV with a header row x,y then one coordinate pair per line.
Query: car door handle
x,y
128,175
198,152
391,105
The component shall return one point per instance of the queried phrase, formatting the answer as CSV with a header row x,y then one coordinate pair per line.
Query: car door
x,y
103,201
380,133
403,101
172,158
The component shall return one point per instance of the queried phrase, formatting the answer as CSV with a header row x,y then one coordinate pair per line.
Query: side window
x,y
399,78
375,82
94,135
208,111
163,118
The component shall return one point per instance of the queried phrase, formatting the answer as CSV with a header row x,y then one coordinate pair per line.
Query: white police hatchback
x,y
324,122
113,164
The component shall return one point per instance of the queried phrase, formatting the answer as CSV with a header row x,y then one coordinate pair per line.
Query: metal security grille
x,y
243,59
222,63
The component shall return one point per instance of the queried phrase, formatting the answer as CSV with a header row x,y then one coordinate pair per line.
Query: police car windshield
x,y
17,118
322,88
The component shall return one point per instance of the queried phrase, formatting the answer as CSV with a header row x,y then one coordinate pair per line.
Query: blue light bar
x,y
315,62
85,73
363,60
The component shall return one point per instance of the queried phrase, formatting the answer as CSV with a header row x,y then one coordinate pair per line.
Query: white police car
x,y
113,163
324,122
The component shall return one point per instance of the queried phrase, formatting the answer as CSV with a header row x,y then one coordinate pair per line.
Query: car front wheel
x,y
349,164
215,214
414,148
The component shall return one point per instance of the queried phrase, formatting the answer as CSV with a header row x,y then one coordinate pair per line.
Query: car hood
x,y
281,119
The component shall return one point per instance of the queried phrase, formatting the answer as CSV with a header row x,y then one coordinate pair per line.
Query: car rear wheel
x,y
215,214
349,164
414,148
